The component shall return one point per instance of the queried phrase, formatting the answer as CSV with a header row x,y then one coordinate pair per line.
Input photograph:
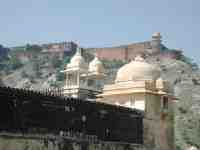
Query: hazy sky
x,y
99,23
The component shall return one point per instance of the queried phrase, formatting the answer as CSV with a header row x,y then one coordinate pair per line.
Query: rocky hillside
x,y
41,72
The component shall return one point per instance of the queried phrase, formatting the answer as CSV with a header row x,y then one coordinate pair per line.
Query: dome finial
x,y
96,66
77,60
95,54
78,51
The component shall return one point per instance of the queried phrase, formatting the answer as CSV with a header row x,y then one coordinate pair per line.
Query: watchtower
x,y
156,42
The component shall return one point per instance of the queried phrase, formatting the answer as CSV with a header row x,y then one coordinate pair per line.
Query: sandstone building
x,y
60,49
137,85
128,52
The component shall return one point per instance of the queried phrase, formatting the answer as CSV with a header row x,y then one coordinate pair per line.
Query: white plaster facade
x,y
138,85
83,80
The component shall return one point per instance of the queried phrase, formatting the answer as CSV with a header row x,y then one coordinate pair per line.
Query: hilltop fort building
x,y
128,52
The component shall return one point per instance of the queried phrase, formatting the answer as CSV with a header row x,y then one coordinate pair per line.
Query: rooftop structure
x,y
83,80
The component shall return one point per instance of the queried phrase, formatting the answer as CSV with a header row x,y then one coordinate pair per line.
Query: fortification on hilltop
x,y
128,52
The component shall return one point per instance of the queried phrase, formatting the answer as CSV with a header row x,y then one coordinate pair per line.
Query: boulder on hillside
x,y
1,83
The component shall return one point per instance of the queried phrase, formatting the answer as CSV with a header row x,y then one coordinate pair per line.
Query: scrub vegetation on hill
x,y
41,71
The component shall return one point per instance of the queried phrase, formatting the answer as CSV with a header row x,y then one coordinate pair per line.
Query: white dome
x,y
77,60
96,66
137,70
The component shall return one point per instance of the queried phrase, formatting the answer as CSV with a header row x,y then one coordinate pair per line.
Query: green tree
x,y
24,74
33,48
113,64
60,76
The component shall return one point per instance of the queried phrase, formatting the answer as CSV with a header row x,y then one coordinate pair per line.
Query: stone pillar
x,y
158,124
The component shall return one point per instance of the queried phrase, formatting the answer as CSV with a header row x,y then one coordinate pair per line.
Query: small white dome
x,y
96,66
77,60
137,70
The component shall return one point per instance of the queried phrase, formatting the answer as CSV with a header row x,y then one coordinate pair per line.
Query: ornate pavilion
x,y
138,85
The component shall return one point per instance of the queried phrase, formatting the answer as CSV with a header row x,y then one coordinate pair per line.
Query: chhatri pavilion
x,y
139,85
136,84
83,80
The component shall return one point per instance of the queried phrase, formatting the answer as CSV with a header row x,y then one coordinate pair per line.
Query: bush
x,y
33,48
32,79
113,64
15,63
189,61
56,62
24,74
195,81
60,76
54,84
